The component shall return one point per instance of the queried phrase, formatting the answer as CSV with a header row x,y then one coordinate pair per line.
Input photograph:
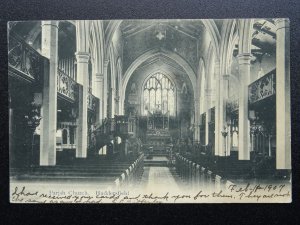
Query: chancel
x,y
149,103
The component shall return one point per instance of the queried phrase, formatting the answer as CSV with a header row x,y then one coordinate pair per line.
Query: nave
x,y
183,104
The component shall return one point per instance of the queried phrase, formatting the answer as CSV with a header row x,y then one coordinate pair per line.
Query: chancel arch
x,y
157,53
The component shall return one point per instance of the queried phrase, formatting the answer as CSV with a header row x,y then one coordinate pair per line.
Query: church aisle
x,y
158,179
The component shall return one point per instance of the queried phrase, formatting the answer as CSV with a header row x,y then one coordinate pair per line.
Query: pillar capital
x,y
244,58
282,23
82,57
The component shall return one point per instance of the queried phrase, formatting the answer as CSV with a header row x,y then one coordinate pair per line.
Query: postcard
x,y
150,111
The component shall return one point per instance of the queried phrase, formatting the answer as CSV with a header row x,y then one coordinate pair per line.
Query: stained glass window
x,y
159,95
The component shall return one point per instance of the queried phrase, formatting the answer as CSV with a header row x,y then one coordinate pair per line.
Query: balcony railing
x,y
23,60
66,86
262,88
120,125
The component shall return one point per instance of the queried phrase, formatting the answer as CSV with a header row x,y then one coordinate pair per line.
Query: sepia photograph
x,y
149,111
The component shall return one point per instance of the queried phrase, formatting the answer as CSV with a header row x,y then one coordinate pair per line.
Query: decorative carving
x,y
262,88
24,58
91,102
33,117
160,32
158,132
66,86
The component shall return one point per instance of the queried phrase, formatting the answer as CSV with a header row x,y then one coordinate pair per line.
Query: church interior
x,y
201,102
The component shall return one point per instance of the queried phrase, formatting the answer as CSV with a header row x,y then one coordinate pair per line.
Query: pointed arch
x,y
225,44
209,63
154,53
97,40
82,35
209,24
109,32
214,33
245,27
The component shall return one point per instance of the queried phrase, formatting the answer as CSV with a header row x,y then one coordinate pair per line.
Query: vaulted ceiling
x,y
183,37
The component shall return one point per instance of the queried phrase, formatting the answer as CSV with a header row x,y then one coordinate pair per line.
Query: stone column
x,y
117,107
225,89
283,113
49,105
208,95
222,114
99,94
197,122
105,90
113,103
82,123
217,107
244,124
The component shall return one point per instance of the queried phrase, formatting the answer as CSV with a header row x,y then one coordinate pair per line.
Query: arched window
x,y
159,95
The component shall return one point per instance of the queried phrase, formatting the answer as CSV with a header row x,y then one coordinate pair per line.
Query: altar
x,y
158,137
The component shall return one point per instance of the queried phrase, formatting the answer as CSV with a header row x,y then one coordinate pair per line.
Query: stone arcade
x,y
166,103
